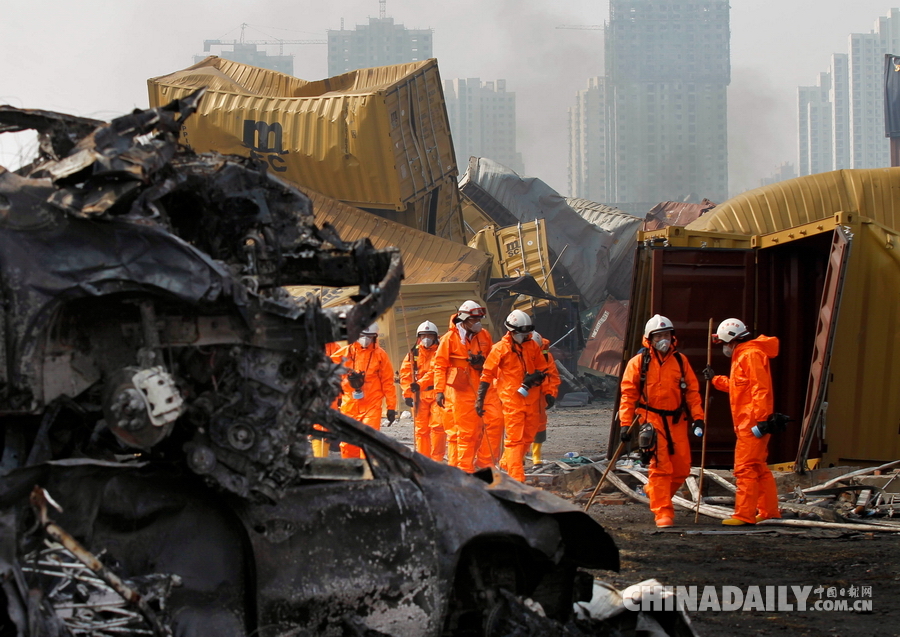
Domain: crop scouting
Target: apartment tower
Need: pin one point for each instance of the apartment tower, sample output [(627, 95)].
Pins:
[(664, 101)]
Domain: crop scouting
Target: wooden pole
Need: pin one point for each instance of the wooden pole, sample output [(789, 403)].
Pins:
[(612, 463), (706, 416)]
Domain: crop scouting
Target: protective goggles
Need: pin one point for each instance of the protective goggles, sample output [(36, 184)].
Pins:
[(521, 329), (475, 312)]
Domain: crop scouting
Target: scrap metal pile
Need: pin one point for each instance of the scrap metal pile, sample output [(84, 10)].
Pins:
[(147, 282)]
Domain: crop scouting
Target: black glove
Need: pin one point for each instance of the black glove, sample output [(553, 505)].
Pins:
[(479, 400), (414, 388), (625, 434), (391, 416), (550, 400), (697, 427), (439, 399), (533, 379), (476, 360), (707, 373), (408, 401)]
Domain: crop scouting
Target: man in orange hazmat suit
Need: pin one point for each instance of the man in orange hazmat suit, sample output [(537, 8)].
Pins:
[(660, 395), (368, 384), (553, 383), (320, 445), (750, 395), (520, 372), (417, 384), (457, 367)]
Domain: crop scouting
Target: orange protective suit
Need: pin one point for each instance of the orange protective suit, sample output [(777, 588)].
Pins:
[(750, 396), (428, 428), (662, 392), (378, 387), (458, 380), (320, 445), (551, 386), (507, 364)]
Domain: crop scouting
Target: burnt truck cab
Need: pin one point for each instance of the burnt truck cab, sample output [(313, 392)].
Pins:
[(158, 388)]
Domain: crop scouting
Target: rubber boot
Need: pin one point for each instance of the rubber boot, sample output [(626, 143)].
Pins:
[(536, 453), (321, 447)]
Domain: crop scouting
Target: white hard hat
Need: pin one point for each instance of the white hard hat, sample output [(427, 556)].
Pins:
[(658, 323), (537, 339), (730, 329), (470, 308), (518, 321), (372, 329), (426, 326)]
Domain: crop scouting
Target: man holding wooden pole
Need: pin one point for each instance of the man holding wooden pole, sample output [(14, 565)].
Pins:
[(661, 396)]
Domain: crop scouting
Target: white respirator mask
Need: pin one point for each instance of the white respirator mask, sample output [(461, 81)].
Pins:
[(728, 350), (520, 338), (426, 341), (662, 345), (475, 327), (364, 341)]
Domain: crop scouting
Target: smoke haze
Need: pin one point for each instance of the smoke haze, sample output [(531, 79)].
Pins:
[(93, 58)]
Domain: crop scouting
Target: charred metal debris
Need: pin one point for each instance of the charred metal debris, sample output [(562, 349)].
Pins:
[(158, 386), (147, 279)]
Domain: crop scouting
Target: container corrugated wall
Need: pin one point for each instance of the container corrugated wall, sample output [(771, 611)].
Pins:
[(863, 416), (874, 193), (373, 137), (426, 258)]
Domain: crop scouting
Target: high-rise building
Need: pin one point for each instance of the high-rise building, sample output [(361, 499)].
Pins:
[(589, 176), (379, 43), (814, 114), (667, 71), (482, 121), (839, 96), (855, 100)]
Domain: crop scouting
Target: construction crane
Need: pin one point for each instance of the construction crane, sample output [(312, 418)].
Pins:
[(208, 44)]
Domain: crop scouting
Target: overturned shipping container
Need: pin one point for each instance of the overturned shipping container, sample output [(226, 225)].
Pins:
[(813, 262), (375, 138), (439, 274)]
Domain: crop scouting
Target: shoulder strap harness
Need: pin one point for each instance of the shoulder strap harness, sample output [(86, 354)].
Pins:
[(665, 413)]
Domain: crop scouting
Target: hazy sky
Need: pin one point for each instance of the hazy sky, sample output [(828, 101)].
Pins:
[(93, 57)]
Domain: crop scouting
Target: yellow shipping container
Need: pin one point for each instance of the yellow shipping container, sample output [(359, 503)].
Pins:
[(815, 262), (374, 138), (519, 250)]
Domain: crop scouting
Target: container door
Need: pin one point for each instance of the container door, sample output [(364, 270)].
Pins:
[(815, 404), (691, 286)]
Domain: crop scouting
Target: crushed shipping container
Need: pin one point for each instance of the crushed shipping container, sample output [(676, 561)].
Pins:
[(450, 272), (582, 248), (623, 227), (603, 348), (375, 138)]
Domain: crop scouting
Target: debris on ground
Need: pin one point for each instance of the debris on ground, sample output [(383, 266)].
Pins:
[(853, 500)]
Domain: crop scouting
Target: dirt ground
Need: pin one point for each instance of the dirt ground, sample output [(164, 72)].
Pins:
[(688, 555)]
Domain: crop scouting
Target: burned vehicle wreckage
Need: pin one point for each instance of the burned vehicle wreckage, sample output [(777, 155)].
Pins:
[(157, 389)]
